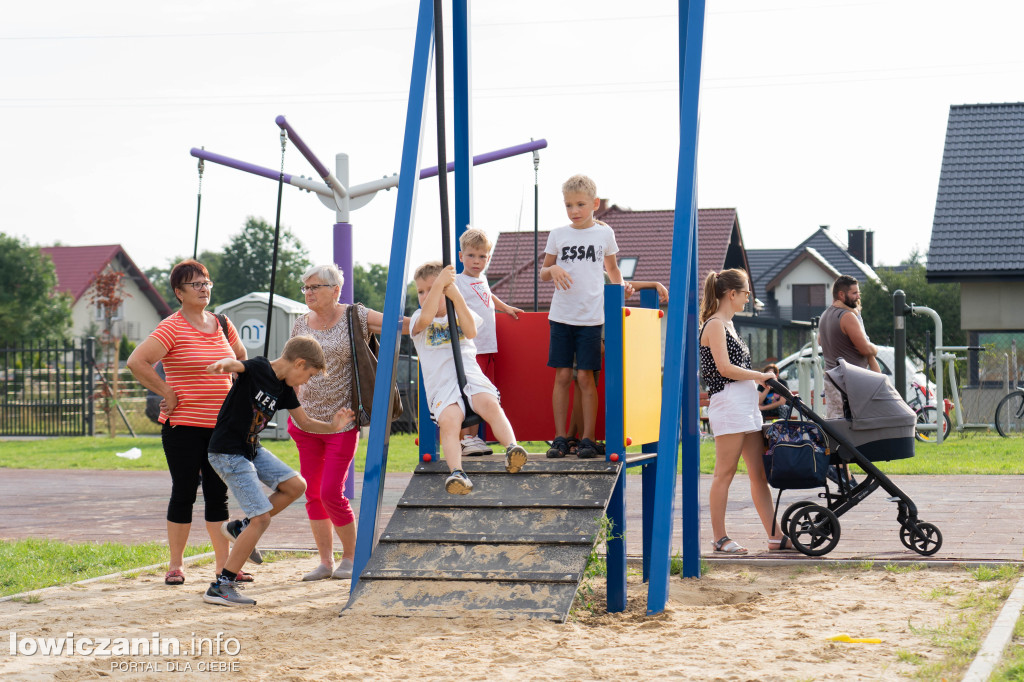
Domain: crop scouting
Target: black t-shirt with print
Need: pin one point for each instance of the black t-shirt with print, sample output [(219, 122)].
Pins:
[(251, 402)]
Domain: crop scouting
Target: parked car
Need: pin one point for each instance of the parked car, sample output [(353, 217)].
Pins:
[(789, 369)]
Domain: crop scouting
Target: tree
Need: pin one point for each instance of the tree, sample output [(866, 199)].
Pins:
[(912, 279), (108, 295), (369, 285), (30, 305), (245, 265)]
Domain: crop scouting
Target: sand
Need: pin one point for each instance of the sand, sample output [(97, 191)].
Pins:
[(737, 623)]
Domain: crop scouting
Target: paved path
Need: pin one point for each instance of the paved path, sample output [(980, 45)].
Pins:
[(981, 517)]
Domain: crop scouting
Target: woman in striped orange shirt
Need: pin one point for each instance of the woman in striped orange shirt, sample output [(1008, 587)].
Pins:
[(186, 342)]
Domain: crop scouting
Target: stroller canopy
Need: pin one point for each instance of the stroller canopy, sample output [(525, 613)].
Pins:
[(872, 400)]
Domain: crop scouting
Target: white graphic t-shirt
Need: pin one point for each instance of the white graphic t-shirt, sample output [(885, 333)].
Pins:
[(479, 300), (434, 347), (581, 253)]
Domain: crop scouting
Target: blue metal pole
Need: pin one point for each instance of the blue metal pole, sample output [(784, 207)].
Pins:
[(462, 81), (691, 30), (394, 300), (648, 477), (615, 444)]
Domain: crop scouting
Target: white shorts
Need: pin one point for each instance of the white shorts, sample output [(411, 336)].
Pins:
[(735, 409), (452, 397)]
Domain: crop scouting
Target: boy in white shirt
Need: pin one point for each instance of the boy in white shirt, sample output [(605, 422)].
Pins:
[(475, 254), (431, 335), (576, 258)]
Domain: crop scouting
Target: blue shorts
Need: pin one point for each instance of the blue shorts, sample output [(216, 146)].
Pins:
[(569, 341), (244, 476)]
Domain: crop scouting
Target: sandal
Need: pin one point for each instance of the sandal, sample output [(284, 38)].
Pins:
[(587, 449), (784, 544), (559, 446), (573, 443), (175, 577), (726, 545), (243, 577)]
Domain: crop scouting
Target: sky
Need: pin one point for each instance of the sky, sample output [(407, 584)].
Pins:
[(813, 112)]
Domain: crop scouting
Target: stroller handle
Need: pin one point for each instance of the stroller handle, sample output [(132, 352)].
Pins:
[(780, 389)]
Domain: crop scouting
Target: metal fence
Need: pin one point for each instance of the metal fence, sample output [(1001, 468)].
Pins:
[(47, 389)]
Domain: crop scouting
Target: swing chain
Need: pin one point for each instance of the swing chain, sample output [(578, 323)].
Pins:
[(284, 143), (202, 167)]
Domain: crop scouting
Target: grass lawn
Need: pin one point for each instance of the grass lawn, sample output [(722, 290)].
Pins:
[(978, 453), (33, 564)]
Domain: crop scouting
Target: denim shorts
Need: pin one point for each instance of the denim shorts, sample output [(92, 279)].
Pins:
[(244, 478), (570, 341)]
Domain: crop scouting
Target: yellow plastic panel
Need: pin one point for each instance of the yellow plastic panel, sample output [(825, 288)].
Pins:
[(641, 342)]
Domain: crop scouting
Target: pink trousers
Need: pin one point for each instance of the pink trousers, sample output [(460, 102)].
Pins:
[(324, 460)]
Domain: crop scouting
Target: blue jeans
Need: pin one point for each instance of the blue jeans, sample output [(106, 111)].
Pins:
[(244, 477)]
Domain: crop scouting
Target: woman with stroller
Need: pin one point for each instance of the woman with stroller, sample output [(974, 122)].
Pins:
[(734, 410)]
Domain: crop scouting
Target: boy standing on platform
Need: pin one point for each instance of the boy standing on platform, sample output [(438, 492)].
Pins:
[(475, 254), (576, 258)]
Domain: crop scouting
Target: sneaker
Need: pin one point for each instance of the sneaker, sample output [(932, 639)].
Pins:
[(343, 571), (474, 446), (559, 448), (232, 529), (587, 449), (225, 593), (515, 458), (458, 483)]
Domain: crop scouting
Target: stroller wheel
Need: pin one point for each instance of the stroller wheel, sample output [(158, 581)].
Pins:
[(925, 541), (814, 530), (788, 514)]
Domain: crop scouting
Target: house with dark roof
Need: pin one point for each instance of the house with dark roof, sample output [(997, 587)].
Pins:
[(978, 229), (77, 268), (797, 282)]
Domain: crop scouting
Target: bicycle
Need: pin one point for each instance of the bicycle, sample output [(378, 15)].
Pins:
[(927, 414), (1010, 413)]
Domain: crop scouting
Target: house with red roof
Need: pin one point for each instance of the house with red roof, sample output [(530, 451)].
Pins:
[(77, 268), (645, 251)]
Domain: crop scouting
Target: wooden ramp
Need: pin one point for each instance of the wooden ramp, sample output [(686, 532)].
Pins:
[(515, 547)]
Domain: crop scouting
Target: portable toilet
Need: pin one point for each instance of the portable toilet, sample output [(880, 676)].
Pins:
[(249, 315)]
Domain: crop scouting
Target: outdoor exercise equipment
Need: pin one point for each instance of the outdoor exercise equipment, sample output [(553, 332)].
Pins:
[(679, 402), (943, 354)]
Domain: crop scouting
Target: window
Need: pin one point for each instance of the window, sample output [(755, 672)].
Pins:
[(101, 312), (627, 266), (808, 301)]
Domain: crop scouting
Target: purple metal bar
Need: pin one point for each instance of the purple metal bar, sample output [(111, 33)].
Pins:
[(487, 157), (301, 146), (239, 165)]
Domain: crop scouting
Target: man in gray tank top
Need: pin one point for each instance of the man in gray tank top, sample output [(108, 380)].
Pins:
[(841, 335)]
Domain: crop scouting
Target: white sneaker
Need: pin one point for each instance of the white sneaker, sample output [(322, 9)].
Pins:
[(473, 446), (344, 570)]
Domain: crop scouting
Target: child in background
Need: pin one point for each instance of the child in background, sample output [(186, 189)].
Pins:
[(576, 258), (475, 254), (263, 387), (432, 337)]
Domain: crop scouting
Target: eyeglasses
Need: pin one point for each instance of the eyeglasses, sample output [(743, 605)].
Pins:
[(198, 286), (313, 287)]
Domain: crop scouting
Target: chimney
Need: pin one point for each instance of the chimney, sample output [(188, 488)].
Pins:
[(602, 207), (869, 250), (856, 244)]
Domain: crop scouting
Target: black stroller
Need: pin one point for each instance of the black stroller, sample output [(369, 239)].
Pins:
[(878, 427)]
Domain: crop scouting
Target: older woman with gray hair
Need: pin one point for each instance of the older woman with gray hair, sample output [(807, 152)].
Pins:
[(325, 459)]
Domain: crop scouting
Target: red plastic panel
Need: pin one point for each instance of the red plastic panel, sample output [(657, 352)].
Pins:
[(525, 380)]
